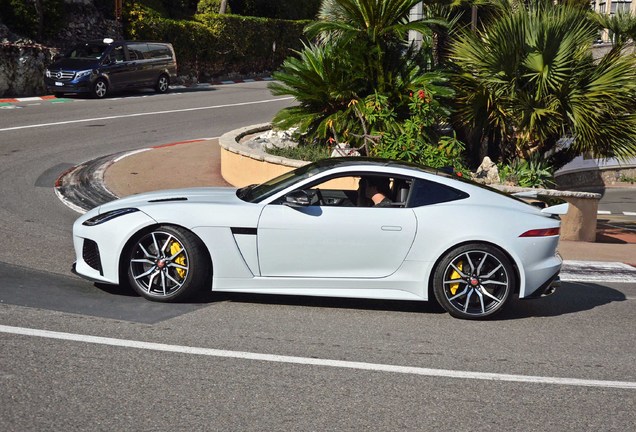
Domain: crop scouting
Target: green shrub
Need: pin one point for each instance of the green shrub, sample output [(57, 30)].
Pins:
[(22, 17), (211, 6), (533, 172), (279, 9), (214, 45)]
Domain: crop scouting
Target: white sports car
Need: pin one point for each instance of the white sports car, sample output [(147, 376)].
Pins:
[(312, 231)]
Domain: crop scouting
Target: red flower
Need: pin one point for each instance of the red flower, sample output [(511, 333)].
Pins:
[(331, 140), (421, 94), (459, 174)]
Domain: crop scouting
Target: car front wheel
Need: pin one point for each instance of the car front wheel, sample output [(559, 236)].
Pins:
[(100, 88), (474, 281), (167, 264)]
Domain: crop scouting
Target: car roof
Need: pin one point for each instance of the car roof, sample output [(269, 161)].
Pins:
[(341, 162)]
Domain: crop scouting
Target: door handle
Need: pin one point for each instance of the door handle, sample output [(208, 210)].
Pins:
[(391, 228)]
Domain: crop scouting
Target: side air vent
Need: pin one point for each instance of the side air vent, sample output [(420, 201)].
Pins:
[(168, 199), (90, 254)]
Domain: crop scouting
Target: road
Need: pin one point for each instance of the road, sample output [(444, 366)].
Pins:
[(76, 356)]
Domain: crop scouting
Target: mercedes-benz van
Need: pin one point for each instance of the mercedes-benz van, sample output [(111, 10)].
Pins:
[(101, 66)]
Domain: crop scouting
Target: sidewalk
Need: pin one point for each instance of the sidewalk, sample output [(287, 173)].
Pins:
[(198, 163)]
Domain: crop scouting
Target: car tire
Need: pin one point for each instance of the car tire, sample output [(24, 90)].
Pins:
[(100, 88), (167, 264), (474, 281), (163, 84), (58, 94)]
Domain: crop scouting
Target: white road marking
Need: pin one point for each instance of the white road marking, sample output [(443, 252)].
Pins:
[(597, 271), (143, 114), (629, 213), (604, 212), (316, 362)]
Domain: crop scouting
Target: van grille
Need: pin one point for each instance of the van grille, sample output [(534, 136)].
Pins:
[(62, 75)]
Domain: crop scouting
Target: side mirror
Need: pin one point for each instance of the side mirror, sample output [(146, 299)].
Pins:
[(298, 198)]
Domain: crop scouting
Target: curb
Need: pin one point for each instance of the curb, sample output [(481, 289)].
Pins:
[(82, 187)]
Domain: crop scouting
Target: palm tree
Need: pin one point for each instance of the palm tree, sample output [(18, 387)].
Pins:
[(529, 79), (360, 49), (621, 26)]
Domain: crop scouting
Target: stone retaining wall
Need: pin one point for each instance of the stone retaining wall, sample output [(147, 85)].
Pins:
[(243, 164)]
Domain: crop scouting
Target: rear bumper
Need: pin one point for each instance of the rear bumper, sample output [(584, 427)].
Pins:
[(547, 288)]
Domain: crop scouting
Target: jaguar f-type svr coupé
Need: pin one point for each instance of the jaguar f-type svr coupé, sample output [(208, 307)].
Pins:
[(313, 231)]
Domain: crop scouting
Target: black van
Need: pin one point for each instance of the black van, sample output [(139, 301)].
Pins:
[(101, 66)]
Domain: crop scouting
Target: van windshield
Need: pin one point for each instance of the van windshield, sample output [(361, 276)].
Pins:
[(87, 51)]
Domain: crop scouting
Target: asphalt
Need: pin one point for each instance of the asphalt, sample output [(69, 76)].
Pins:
[(198, 163)]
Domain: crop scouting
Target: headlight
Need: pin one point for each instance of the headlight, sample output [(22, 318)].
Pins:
[(83, 73), (105, 217)]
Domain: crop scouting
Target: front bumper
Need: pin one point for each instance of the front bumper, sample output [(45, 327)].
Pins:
[(75, 86)]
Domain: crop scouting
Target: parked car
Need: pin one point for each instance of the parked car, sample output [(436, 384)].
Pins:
[(308, 232), (101, 66)]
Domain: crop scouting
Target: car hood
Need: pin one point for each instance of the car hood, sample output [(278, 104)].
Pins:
[(216, 195)]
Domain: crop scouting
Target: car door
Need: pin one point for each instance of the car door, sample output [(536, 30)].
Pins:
[(333, 242), (116, 67)]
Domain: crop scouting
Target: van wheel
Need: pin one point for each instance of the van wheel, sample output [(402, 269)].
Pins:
[(100, 88), (163, 84)]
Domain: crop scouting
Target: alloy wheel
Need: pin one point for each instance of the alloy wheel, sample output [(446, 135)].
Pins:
[(159, 264)]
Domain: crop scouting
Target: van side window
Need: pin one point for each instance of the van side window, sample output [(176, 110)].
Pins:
[(158, 51), (138, 51)]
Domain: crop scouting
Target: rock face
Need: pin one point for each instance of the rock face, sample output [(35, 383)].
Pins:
[(487, 172), (23, 62), (22, 69)]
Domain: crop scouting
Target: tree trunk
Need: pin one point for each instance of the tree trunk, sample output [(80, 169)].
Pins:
[(223, 6), (40, 13)]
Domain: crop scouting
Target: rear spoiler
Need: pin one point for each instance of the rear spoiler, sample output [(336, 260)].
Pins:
[(559, 209)]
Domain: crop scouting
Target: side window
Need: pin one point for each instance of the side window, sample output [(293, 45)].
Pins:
[(357, 190), (138, 51), (117, 54), (158, 51), (426, 192)]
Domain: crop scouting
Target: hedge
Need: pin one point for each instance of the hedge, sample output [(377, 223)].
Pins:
[(221, 45)]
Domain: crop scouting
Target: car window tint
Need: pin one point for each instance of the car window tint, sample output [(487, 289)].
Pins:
[(87, 51), (138, 51), (158, 51), (426, 192)]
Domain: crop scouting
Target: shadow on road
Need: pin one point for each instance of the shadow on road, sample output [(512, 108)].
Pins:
[(570, 298)]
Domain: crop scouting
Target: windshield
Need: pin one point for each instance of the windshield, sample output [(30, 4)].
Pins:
[(89, 50), (257, 193)]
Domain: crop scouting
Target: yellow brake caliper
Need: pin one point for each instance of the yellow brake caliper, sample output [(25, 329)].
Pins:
[(175, 247), (454, 287)]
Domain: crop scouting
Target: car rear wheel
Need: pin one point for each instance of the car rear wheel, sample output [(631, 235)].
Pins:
[(167, 264), (163, 83), (100, 88), (474, 281), (58, 94)]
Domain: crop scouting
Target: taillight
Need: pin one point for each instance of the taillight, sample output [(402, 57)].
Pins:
[(546, 232)]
